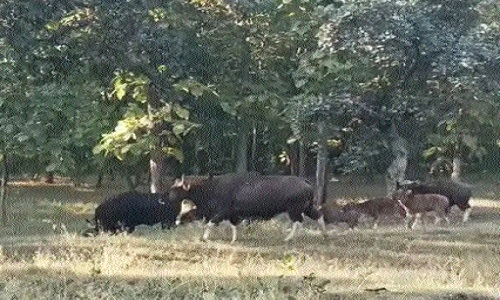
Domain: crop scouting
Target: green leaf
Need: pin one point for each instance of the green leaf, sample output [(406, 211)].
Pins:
[(175, 152), (120, 90), (181, 112), (178, 129), (431, 152), (226, 107), (22, 138), (52, 167), (196, 91)]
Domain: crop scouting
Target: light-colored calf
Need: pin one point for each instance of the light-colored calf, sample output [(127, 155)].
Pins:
[(419, 204)]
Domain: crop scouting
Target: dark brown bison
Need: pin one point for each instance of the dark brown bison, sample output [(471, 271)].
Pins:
[(375, 208), (457, 193), (125, 211), (416, 205), (236, 197)]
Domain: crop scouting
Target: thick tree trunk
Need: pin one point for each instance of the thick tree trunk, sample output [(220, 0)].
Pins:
[(397, 169), (3, 189), (456, 168), (321, 164), (242, 150), (156, 172)]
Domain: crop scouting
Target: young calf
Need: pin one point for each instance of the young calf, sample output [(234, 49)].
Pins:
[(418, 204), (338, 215), (457, 193), (374, 208)]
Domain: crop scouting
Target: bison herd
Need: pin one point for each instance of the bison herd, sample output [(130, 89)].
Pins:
[(238, 197)]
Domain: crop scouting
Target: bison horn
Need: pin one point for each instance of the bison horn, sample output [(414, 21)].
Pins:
[(178, 182)]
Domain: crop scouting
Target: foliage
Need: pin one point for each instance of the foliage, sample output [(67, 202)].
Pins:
[(134, 136), (280, 66)]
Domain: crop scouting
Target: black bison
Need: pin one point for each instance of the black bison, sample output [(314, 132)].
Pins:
[(236, 197), (418, 204), (127, 210), (457, 193), (339, 215), (375, 208)]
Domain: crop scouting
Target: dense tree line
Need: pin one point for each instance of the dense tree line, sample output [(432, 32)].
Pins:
[(217, 86)]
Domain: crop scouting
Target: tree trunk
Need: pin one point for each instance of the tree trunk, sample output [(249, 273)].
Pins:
[(456, 168), (397, 169), (3, 189), (321, 164), (242, 150), (302, 159), (294, 159), (253, 150), (156, 171), (156, 155)]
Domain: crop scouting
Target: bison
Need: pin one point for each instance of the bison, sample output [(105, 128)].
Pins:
[(374, 208), (418, 204), (338, 215), (236, 197), (127, 210), (188, 214), (457, 193)]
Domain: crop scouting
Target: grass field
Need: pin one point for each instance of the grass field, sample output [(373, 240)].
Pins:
[(42, 254)]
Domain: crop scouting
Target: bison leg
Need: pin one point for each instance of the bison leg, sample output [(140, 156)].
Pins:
[(296, 217), (292, 233), (407, 220), (322, 224), (206, 232), (466, 214), (234, 222), (417, 217), (437, 220), (234, 233), (442, 215)]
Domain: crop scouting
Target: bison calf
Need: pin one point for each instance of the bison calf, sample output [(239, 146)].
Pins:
[(126, 211), (374, 208), (338, 215), (457, 193), (418, 204)]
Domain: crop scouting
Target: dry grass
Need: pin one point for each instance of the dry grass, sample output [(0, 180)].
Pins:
[(43, 256)]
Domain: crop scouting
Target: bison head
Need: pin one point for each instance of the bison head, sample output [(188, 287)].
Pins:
[(179, 190)]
